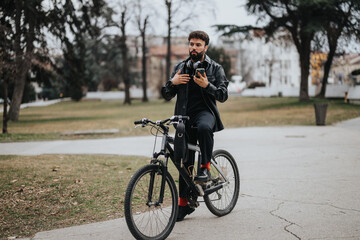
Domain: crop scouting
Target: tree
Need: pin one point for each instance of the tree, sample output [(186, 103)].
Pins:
[(7, 70), (341, 18), (77, 25), (28, 20), (7, 64), (142, 21), (124, 18), (218, 55), (179, 12), (302, 19)]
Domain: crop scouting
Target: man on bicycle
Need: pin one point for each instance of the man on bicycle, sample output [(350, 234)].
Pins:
[(196, 97)]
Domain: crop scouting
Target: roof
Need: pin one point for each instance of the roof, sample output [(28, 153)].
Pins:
[(178, 50)]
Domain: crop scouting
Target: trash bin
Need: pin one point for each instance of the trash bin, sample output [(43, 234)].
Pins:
[(320, 113)]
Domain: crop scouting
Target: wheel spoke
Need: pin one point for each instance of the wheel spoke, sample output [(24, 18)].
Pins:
[(222, 201), (151, 220)]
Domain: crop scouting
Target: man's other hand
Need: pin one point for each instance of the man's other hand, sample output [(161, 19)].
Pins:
[(180, 78)]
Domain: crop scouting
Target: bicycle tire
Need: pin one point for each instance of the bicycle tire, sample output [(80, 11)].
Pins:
[(223, 201), (150, 222)]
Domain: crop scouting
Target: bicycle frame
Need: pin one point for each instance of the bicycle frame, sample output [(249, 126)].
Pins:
[(168, 152)]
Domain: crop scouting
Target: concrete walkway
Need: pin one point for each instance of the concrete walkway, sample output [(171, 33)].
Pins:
[(296, 183)]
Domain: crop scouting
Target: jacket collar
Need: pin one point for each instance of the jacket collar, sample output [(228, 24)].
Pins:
[(207, 59)]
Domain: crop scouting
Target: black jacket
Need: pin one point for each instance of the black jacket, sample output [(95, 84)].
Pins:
[(217, 89)]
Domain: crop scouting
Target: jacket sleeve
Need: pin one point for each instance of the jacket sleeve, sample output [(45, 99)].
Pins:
[(218, 88), (168, 91)]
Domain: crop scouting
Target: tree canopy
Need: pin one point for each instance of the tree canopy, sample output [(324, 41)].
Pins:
[(303, 20)]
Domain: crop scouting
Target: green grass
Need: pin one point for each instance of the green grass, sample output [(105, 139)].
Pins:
[(39, 193), (50, 122), (247, 112)]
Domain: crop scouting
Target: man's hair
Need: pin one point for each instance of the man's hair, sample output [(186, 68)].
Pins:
[(200, 35)]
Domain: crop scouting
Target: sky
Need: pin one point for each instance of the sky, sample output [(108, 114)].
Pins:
[(209, 12), (227, 12)]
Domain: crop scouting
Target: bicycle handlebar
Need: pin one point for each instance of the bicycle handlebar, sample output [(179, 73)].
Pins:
[(177, 118), (173, 119)]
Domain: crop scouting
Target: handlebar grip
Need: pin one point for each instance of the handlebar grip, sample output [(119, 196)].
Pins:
[(138, 122)]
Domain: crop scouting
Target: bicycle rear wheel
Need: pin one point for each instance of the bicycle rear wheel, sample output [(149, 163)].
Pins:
[(145, 219), (222, 201)]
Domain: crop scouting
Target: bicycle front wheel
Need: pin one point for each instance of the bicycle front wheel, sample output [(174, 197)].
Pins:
[(145, 218), (222, 201)]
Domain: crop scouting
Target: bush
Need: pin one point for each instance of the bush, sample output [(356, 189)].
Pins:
[(29, 93), (76, 93)]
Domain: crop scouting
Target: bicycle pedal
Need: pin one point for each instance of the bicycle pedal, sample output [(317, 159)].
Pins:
[(207, 185)]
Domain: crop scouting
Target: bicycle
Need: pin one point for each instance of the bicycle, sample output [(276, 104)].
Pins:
[(151, 198)]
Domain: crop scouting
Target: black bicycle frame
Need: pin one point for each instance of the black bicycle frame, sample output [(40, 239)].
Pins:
[(168, 152)]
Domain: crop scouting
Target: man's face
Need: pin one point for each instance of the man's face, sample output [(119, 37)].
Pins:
[(197, 49)]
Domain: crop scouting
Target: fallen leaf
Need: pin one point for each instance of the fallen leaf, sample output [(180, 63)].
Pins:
[(79, 181), (55, 168)]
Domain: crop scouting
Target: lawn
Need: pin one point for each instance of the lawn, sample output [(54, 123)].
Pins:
[(51, 122), (39, 193)]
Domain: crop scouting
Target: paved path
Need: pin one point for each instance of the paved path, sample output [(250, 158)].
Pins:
[(296, 183)]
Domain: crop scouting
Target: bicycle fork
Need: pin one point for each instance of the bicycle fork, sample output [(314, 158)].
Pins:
[(153, 174), (162, 170)]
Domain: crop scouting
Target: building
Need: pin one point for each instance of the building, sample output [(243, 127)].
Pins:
[(342, 69), (273, 62), (156, 59)]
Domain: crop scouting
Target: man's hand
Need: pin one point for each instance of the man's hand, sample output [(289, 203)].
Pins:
[(180, 78), (202, 80)]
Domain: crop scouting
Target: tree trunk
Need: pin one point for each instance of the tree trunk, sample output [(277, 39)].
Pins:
[(304, 65), (144, 85), (5, 116), (270, 72), (327, 67), (125, 71), (304, 50), (124, 52), (19, 80), (17, 95), (333, 40), (23, 63), (168, 55)]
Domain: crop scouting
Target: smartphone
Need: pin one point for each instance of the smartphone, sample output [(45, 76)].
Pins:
[(199, 70)]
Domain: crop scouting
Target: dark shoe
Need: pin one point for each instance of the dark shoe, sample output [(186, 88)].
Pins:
[(183, 211), (202, 176)]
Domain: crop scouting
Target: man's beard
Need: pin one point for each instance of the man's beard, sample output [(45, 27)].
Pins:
[(198, 56)]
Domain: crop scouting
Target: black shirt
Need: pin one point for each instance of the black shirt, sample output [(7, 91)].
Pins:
[(195, 102)]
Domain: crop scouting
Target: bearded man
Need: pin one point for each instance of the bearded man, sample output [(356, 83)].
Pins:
[(197, 92)]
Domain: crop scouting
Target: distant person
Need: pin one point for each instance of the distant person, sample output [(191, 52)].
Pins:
[(196, 97)]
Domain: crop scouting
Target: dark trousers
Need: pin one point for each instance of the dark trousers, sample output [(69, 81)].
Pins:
[(199, 129)]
